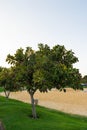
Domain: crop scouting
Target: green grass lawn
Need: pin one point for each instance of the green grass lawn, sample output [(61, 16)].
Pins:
[(16, 116)]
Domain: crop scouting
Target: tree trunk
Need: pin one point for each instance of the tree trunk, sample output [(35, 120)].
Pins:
[(33, 106), (7, 93), (1, 126)]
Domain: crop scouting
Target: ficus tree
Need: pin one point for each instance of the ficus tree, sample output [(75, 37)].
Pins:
[(44, 69)]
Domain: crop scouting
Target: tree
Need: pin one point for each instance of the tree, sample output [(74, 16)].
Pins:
[(45, 69), (8, 81), (84, 80)]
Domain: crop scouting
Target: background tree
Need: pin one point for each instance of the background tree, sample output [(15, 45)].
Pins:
[(8, 81), (84, 80), (45, 69)]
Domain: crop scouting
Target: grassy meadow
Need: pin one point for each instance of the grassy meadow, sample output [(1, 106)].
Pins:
[(15, 115)]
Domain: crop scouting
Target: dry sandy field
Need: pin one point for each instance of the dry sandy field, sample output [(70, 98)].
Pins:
[(71, 101)]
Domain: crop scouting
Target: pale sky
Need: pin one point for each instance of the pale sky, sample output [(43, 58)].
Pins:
[(29, 22)]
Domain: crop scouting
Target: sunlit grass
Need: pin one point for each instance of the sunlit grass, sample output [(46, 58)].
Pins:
[(15, 115)]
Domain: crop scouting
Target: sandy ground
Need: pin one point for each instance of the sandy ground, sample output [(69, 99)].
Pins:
[(72, 101)]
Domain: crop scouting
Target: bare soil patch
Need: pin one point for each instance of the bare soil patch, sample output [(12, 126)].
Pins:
[(72, 101)]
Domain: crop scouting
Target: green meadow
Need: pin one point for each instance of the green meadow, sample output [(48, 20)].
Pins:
[(16, 115)]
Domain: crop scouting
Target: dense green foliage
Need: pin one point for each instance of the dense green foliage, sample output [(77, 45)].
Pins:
[(15, 115), (45, 68)]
